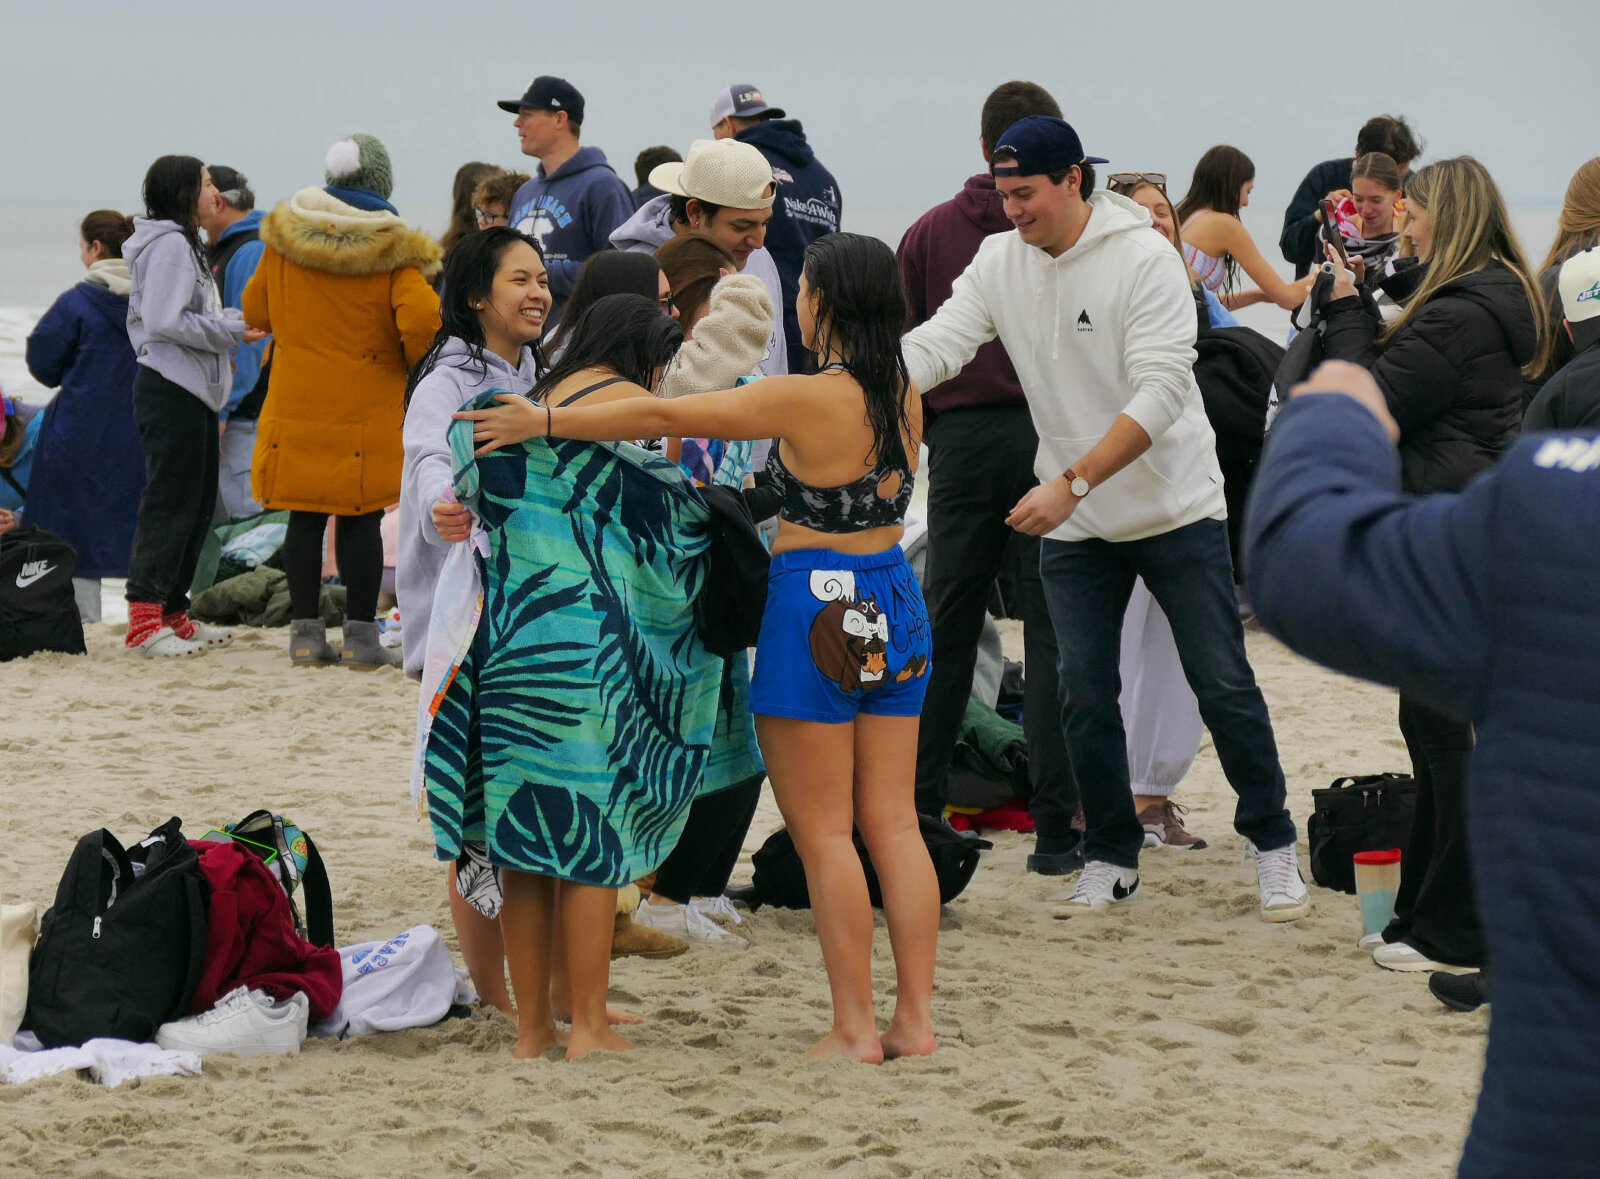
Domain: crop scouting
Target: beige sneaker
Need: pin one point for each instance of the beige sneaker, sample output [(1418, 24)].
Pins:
[(1163, 827)]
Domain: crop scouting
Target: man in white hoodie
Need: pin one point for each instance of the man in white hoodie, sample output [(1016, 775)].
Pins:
[(1095, 311)]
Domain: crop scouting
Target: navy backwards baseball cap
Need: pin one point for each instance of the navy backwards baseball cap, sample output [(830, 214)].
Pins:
[(1040, 144), (547, 93)]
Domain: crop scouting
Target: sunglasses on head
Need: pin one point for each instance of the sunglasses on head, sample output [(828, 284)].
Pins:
[(1129, 179)]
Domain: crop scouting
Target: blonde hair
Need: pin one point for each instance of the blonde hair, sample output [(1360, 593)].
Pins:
[(1579, 227), (1470, 230), (1128, 190)]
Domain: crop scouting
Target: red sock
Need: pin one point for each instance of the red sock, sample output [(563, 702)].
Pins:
[(180, 623), (144, 619)]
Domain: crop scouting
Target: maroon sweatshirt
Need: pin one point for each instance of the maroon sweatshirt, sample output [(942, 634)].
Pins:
[(933, 252)]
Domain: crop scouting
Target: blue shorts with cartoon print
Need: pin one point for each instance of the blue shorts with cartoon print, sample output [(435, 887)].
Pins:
[(842, 634)]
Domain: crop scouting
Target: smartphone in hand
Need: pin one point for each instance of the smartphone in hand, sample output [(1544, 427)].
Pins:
[(1330, 230)]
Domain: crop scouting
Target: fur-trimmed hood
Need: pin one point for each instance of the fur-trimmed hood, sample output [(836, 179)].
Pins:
[(321, 232)]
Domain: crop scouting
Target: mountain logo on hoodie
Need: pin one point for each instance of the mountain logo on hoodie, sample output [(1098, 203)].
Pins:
[(1083, 321)]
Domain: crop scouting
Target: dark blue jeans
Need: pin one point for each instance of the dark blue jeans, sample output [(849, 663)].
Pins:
[(1190, 574)]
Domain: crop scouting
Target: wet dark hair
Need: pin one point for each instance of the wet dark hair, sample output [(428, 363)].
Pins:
[(1391, 135), (172, 193), (1010, 103), (1219, 177), (468, 277), (610, 272), (861, 313), (108, 227), (624, 333)]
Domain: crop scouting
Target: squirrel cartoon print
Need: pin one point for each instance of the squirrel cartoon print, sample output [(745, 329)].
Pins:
[(850, 636)]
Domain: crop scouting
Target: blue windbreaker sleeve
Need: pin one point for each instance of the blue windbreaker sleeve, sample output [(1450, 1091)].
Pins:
[(1351, 572), (53, 343), (247, 358)]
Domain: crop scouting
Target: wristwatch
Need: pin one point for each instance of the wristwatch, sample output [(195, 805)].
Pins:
[(1076, 483)]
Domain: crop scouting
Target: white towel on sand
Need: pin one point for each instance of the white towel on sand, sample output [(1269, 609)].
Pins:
[(110, 1062)]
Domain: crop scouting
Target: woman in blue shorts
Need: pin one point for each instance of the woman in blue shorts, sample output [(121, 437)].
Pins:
[(843, 657)]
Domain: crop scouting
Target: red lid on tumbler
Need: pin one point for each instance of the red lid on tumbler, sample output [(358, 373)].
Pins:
[(1391, 856)]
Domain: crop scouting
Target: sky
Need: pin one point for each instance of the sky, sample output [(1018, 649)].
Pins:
[(889, 93)]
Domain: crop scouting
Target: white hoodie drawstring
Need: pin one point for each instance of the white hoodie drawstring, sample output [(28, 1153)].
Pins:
[(1055, 345)]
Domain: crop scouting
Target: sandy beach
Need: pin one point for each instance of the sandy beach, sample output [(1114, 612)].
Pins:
[(1182, 1038)]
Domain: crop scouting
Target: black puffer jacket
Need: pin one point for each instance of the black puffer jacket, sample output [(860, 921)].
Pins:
[(1452, 376)]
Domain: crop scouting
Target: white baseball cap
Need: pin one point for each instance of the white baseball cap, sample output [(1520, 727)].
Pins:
[(1580, 286), (723, 171)]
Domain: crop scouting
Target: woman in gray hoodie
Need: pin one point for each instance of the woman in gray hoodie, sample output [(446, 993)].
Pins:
[(182, 337)]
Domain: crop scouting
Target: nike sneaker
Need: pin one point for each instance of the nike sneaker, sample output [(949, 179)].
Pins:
[(1102, 885)]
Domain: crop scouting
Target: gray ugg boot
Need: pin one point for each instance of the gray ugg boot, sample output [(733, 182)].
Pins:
[(308, 644), (362, 650)]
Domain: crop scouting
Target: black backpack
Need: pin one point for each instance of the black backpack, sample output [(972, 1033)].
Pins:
[(1372, 812), (121, 951), (37, 609), (734, 594), (780, 877), (1234, 368)]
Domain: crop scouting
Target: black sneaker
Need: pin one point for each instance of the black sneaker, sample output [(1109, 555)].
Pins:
[(1460, 992), (1056, 857)]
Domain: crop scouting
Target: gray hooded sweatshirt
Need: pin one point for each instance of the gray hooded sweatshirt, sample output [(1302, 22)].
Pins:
[(426, 478), (651, 226), (176, 322)]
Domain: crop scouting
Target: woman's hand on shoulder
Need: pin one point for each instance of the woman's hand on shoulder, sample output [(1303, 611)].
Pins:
[(516, 419)]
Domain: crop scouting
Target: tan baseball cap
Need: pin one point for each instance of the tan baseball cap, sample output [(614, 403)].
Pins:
[(725, 172)]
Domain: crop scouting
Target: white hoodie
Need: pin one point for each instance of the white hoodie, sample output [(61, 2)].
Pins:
[(1107, 328)]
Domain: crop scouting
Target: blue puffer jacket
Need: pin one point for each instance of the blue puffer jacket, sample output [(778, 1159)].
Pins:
[(1483, 604)]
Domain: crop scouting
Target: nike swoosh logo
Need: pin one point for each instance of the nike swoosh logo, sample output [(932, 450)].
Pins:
[(24, 580), (1119, 893)]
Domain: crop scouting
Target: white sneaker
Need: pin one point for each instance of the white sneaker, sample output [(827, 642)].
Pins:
[(1399, 956), (718, 908), (1284, 896), (165, 644), (1370, 942), (687, 922), (244, 1023), (1100, 886)]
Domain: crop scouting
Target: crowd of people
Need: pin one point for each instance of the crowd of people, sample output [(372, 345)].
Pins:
[(553, 392)]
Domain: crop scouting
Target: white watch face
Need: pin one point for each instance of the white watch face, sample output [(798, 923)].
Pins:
[(1080, 487)]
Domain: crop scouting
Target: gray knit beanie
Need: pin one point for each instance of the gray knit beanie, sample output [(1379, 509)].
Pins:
[(360, 161)]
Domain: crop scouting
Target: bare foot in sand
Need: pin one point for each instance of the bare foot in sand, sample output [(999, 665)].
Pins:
[(615, 1016), (583, 1042), (907, 1041), (866, 1048), (505, 1007), (534, 1044)]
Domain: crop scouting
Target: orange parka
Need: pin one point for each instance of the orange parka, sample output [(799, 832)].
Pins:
[(344, 293)]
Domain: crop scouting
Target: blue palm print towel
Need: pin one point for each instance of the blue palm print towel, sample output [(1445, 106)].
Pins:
[(579, 727)]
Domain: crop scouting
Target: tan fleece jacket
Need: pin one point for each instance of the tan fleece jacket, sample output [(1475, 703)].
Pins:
[(728, 343)]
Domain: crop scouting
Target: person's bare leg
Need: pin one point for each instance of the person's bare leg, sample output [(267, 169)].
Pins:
[(587, 916), (526, 919), (885, 784), (481, 949), (561, 983), (810, 766)]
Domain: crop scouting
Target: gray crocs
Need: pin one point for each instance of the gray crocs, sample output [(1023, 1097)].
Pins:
[(308, 644), (362, 650)]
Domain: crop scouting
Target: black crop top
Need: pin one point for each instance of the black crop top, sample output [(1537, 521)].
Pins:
[(849, 507)]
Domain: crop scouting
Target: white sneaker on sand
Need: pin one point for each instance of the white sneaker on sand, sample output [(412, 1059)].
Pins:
[(1370, 942), (687, 922), (718, 908), (244, 1022), (1101, 885), (1400, 956), (165, 644), (1284, 896)]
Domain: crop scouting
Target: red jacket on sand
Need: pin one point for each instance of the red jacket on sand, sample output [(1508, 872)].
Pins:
[(251, 939)]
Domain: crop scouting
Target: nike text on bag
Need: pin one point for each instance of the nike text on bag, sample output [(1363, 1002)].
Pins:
[(121, 950), (37, 609), (1367, 813)]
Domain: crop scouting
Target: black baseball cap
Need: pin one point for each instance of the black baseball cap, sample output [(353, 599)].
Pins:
[(548, 93), (1040, 144)]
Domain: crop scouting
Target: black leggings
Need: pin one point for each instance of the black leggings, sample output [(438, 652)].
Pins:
[(709, 847), (358, 546)]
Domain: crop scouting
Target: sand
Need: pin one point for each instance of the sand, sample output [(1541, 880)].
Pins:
[(1183, 1037)]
